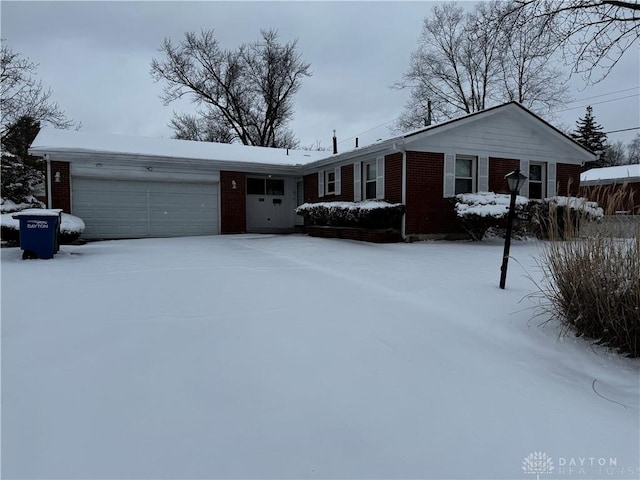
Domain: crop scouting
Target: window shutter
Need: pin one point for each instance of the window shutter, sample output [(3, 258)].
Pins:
[(524, 169), (357, 182), (321, 183), (483, 174), (338, 187), (449, 175), (380, 178), (551, 180)]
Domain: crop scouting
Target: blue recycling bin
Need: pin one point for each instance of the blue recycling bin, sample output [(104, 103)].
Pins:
[(39, 232)]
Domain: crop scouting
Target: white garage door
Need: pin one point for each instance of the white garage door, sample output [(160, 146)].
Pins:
[(134, 209)]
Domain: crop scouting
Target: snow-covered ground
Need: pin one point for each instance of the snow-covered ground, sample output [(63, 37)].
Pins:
[(294, 357)]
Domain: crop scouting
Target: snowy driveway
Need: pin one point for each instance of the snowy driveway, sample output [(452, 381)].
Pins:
[(289, 356)]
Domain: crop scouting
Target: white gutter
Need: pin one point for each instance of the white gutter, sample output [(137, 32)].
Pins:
[(49, 195)]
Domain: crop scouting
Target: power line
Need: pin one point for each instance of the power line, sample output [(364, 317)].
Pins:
[(597, 103), (557, 111), (623, 130), (605, 94)]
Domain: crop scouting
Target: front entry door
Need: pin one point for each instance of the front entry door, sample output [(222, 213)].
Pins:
[(269, 205)]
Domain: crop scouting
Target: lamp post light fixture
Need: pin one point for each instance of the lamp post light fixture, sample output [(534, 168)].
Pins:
[(515, 181)]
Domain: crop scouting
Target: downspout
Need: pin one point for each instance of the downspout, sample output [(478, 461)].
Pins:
[(49, 186), (403, 224)]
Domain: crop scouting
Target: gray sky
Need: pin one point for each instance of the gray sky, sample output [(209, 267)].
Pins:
[(96, 58)]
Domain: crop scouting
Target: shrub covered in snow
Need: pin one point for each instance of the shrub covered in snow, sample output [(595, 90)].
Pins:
[(479, 212), (561, 216), (9, 206), (373, 214), (71, 227)]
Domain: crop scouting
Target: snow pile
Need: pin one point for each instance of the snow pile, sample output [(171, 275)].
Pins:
[(8, 206), (620, 172), (587, 207), (54, 140), (485, 204), (69, 224)]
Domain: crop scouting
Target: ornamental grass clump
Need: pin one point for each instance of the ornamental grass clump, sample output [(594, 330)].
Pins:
[(592, 284)]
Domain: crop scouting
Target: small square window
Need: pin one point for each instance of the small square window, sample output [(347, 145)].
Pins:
[(255, 186), (275, 187)]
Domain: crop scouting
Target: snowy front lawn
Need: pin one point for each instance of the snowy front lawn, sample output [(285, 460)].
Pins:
[(289, 356)]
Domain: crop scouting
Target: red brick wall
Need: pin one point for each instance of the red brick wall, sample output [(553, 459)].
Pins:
[(427, 211), (233, 203), (567, 179), (311, 188), (61, 191), (393, 178), (614, 197), (498, 168)]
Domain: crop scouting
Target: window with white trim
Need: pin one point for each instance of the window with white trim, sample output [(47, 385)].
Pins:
[(369, 180), (465, 176), (537, 180), (329, 182)]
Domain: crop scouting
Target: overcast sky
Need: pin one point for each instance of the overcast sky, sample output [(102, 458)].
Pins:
[(96, 57)]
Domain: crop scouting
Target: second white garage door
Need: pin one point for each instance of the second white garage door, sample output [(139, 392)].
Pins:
[(137, 209)]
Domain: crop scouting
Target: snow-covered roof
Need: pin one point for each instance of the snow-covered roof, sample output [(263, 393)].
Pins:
[(54, 140), (622, 172)]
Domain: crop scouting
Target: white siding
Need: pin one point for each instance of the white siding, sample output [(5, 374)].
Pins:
[(505, 134)]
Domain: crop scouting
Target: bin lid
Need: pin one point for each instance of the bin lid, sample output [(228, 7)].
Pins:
[(41, 212)]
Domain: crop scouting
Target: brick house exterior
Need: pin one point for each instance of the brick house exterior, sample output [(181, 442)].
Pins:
[(617, 189), (173, 187)]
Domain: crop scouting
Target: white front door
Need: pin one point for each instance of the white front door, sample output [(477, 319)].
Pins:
[(270, 204)]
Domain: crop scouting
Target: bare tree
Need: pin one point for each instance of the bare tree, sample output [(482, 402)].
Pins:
[(242, 95), (591, 33), (23, 95), (528, 74), (203, 128), (633, 150), (466, 62)]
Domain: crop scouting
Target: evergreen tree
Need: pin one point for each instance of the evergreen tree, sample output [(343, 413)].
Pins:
[(589, 134), (21, 173)]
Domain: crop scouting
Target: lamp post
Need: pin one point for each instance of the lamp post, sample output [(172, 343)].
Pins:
[(515, 181)]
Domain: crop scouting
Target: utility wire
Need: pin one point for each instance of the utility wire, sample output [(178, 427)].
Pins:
[(597, 103), (604, 94), (623, 130), (557, 111)]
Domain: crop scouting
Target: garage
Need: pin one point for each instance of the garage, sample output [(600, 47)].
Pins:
[(135, 209)]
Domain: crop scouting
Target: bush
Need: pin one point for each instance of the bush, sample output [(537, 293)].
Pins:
[(560, 217), (593, 285), (484, 211), (370, 214)]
